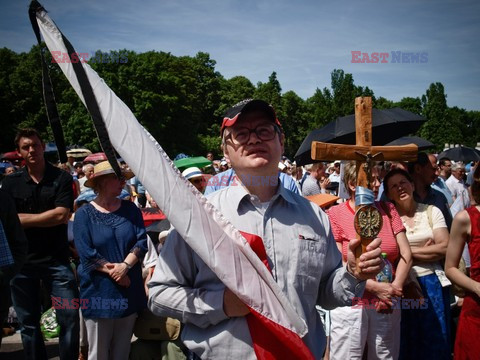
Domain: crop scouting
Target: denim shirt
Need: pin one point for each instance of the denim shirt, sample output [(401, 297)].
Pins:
[(228, 178), (301, 252), (440, 185), (438, 199)]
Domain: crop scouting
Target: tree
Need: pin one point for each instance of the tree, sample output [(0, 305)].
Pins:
[(9, 107), (467, 124), (439, 128), (411, 104), (181, 101), (211, 141), (232, 91), (343, 91), (382, 103), (320, 109), (270, 91), (175, 98), (294, 122), (207, 91)]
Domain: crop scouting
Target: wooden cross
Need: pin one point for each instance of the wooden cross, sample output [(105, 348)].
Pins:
[(363, 152)]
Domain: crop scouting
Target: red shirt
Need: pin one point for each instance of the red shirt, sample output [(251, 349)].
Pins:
[(342, 223), (341, 217)]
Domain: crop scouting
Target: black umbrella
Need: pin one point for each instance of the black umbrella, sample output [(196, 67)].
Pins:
[(461, 153), (387, 125), (420, 142)]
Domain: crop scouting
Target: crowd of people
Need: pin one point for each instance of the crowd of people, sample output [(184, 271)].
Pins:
[(129, 279)]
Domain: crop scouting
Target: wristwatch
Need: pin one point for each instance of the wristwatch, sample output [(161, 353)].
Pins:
[(128, 265)]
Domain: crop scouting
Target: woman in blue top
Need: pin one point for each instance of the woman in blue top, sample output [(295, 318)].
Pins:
[(111, 240)]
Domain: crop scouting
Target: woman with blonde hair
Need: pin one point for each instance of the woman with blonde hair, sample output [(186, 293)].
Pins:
[(373, 320)]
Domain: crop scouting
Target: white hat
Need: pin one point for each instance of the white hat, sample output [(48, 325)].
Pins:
[(191, 173), (281, 166)]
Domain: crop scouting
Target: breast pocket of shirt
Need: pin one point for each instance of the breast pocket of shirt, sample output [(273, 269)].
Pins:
[(48, 194), (23, 201), (310, 255)]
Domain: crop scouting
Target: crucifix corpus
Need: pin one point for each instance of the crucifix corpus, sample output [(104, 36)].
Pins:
[(368, 220)]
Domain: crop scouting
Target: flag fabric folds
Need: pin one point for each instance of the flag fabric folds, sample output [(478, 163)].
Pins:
[(49, 96), (87, 97), (206, 231)]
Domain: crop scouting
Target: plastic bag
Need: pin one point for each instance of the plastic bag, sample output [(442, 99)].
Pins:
[(49, 325)]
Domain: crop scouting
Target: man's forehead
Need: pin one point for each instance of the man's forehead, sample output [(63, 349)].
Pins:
[(254, 117), (30, 139)]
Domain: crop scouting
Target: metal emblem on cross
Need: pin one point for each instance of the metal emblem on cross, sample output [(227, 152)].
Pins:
[(365, 155)]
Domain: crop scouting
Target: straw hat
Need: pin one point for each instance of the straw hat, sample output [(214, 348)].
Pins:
[(104, 168)]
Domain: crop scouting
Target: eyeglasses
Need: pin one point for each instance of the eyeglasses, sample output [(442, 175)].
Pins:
[(241, 135)]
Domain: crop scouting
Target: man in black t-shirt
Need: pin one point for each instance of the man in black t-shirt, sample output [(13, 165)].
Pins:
[(43, 196)]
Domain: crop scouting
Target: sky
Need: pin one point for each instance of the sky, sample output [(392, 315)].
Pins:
[(301, 40)]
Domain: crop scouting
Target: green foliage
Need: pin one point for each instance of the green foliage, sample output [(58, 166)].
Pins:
[(343, 91), (270, 91), (294, 121), (467, 125), (233, 91), (440, 127), (382, 103), (411, 104), (181, 101), (210, 142), (320, 107)]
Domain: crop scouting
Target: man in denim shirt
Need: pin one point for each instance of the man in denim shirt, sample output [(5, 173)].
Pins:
[(423, 173)]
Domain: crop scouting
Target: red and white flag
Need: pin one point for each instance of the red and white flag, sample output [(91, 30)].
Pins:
[(275, 326)]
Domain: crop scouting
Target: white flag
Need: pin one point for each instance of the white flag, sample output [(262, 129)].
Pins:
[(207, 232)]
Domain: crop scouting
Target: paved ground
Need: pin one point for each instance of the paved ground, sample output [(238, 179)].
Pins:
[(12, 348)]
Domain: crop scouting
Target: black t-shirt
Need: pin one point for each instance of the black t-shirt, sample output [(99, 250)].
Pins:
[(45, 244)]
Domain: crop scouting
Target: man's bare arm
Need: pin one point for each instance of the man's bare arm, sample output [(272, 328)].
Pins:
[(48, 218)]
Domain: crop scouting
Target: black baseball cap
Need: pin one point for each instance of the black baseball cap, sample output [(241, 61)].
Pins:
[(245, 106)]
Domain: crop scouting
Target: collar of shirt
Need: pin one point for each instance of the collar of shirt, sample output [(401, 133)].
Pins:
[(46, 175), (238, 193), (430, 195), (440, 182)]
